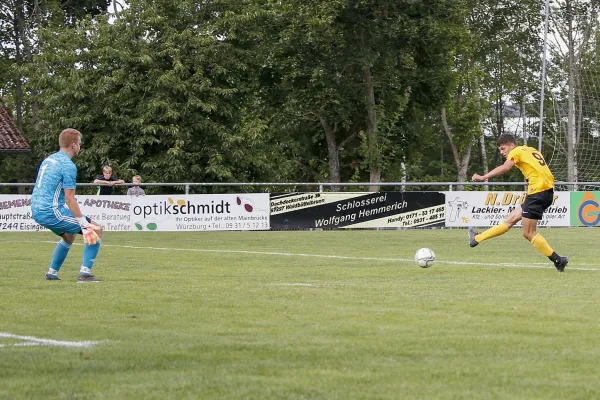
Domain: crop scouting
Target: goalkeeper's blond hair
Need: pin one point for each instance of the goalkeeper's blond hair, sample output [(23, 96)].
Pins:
[(67, 137)]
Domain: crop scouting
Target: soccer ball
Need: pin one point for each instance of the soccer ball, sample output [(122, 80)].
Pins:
[(425, 257)]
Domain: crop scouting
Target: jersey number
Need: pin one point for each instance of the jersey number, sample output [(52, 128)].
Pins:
[(42, 174), (539, 157)]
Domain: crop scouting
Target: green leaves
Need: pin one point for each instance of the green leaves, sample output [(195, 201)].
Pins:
[(267, 90), (169, 92), (315, 55)]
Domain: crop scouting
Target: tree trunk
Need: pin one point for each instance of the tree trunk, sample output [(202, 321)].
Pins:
[(19, 32), (499, 117), (373, 148), (484, 158), (523, 115), (462, 162), (31, 52), (333, 153), (463, 169), (403, 172)]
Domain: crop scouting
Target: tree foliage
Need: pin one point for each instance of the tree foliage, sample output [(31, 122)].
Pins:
[(339, 74), (269, 90), (155, 93)]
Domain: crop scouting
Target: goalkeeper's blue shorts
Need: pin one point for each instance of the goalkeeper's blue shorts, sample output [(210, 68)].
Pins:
[(59, 220)]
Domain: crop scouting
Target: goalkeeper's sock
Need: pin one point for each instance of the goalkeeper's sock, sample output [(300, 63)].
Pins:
[(85, 270), (89, 256), (58, 257), (492, 232), (543, 247)]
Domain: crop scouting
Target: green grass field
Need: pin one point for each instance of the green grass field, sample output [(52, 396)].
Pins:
[(303, 315)]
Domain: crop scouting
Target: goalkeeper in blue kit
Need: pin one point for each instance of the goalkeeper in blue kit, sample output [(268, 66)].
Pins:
[(54, 206)]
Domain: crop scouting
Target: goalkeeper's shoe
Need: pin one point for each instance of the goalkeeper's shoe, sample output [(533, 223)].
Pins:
[(561, 264), (87, 278), (50, 277), (472, 234)]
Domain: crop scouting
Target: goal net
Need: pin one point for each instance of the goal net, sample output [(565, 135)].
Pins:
[(571, 137)]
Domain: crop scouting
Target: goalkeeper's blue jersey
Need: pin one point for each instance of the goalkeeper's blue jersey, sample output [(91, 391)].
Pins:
[(57, 172)]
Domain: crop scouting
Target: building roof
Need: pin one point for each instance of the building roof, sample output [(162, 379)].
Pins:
[(11, 139)]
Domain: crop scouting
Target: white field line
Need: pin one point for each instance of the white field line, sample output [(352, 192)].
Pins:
[(295, 284), (33, 341), (24, 344), (577, 267)]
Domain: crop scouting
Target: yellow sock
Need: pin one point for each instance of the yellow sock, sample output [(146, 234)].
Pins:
[(540, 243), (492, 232)]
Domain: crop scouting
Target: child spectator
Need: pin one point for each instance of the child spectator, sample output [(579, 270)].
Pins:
[(136, 190), (106, 181)]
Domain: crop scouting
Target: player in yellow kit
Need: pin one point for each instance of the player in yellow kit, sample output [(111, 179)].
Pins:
[(540, 194)]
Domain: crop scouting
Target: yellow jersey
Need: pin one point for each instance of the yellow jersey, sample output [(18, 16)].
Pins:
[(534, 167)]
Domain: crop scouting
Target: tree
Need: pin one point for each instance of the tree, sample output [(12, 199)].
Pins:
[(493, 68), (346, 68), (166, 102), (20, 22)]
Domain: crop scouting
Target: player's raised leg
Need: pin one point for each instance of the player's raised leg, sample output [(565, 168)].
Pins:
[(512, 218), (90, 252), (58, 257), (539, 242)]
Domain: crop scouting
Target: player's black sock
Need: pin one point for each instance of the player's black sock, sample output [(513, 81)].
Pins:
[(554, 257)]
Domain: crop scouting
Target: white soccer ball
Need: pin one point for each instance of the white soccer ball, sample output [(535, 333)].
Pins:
[(424, 257)]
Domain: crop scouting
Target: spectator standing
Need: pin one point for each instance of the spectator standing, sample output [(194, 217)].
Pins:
[(107, 181), (136, 190)]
